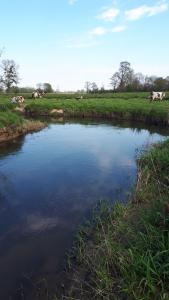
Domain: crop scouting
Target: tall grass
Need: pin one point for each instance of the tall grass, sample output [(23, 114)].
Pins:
[(8, 119)]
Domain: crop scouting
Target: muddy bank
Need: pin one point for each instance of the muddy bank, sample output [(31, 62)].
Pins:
[(12, 132)]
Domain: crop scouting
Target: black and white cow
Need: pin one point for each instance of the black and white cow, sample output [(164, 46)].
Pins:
[(156, 96), (18, 99), (38, 94)]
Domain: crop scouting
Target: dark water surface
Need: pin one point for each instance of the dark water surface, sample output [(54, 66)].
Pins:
[(49, 182)]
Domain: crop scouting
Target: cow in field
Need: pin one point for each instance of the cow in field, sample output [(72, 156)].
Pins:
[(18, 99), (79, 97), (38, 94), (157, 96)]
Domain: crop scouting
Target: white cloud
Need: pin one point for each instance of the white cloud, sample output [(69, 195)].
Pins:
[(158, 9), (109, 14), (98, 31), (119, 28), (72, 2), (145, 10)]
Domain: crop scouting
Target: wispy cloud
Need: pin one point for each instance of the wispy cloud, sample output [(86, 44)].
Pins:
[(109, 14), (72, 2), (145, 10), (98, 31)]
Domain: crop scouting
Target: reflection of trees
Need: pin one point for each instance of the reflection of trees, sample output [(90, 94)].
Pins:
[(11, 147), (4, 185), (131, 124), (6, 149)]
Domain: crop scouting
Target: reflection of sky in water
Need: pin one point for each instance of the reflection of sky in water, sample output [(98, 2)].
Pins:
[(50, 181)]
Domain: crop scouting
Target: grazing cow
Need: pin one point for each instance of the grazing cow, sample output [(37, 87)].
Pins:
[(157, 96), (38, 94), (79, 97), (18, 99), (35, 95)]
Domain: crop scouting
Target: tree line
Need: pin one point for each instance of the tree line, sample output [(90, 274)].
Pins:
[(126, 80), (123, 80)]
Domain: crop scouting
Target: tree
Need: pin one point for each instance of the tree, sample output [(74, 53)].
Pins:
[(160, 84), (44, 87), (102, 89), (39, 86), (9, 75), (123, 77), (114, 81), (1, 85), (137, 82), (47, 87), (94, 87), (167, 82), (88, 86), (149, 83)]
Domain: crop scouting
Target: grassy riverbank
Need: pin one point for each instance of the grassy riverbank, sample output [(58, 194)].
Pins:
[(12, 125), (13, 122), (128, 106), (9, 118), (124, 253)]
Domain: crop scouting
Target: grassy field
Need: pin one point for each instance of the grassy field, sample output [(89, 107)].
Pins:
[(134, 106), (124, 252)]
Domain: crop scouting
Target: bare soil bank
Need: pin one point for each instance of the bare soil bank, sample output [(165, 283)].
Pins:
[(12, 132)]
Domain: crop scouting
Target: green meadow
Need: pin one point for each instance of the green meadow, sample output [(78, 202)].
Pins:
[(134, 106)]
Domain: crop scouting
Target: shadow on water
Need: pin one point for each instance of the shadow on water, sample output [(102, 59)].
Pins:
[(132, 124), (11, 147), (49, 183)]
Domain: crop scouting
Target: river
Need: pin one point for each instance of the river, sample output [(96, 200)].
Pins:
[(49, 183)]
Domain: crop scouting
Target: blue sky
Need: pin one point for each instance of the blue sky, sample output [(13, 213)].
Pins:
[(68, 42)]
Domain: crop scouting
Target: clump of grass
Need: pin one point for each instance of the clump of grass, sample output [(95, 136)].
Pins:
[(125, 253), (9, 118)]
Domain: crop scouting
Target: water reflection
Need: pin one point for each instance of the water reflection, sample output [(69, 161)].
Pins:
[(49, 181), (11, 147)]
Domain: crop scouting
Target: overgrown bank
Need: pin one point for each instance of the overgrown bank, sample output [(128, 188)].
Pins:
[(125, 254), (13, 125), (139, 109)]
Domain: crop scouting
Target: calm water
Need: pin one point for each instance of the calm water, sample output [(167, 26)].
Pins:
[(49, 182)]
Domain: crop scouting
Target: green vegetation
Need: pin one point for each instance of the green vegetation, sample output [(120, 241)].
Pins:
[(124, 253), (8, 119), (124, 106), (129, 106)]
